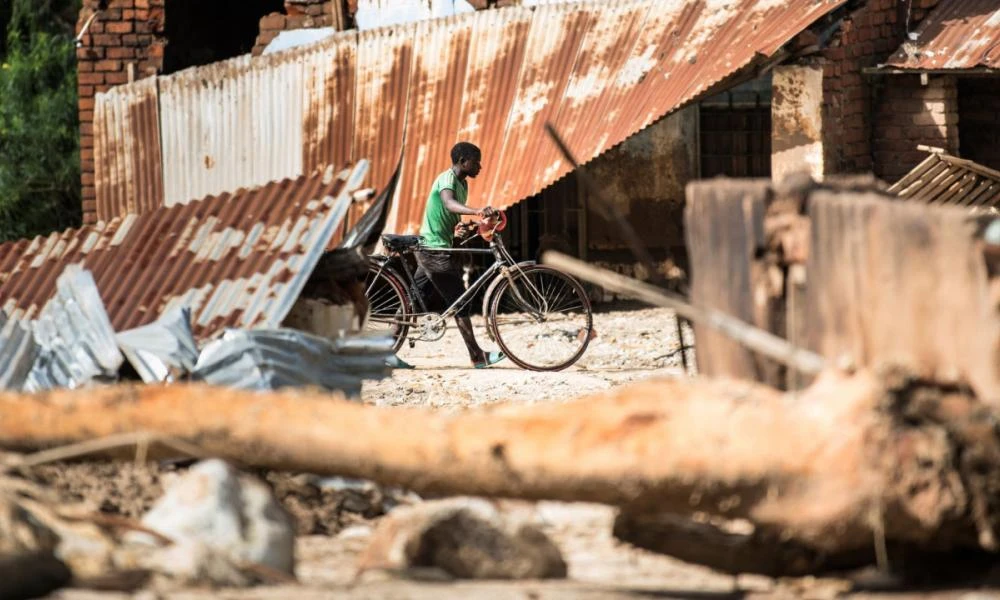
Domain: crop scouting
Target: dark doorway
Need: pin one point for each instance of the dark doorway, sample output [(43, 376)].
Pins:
[(200, 32), (979, 120), (736, 131)]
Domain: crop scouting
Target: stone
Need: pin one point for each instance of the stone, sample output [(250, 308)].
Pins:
[(464, 538), (224, 525)]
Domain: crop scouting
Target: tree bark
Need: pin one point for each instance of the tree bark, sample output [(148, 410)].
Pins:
[(834, 468)]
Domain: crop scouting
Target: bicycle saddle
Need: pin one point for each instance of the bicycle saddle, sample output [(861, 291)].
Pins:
[(398, 243)]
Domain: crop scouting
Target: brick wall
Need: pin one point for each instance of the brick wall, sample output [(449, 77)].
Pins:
[(909, 113), (979, 120), (867, 37), (124, 41)]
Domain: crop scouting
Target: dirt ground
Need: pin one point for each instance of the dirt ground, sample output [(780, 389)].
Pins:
[(335, 521)]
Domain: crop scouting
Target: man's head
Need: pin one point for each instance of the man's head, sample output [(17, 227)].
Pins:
[(467, 158)]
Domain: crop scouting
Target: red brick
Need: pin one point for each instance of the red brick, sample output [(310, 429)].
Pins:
[(273, 21), (96, 26), (108, 65), (89, 53), (90, 78), (107, 40), (123, 52), (86, 141), (85, 66), (119, 27), (86, 115), (128, 14), (86, 103), (86, 155), (116, 78), (142, 3)]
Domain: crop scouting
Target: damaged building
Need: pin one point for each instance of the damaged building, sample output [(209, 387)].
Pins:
[(651, 95)]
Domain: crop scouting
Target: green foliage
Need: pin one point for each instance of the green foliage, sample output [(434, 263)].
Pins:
[(39, 129)]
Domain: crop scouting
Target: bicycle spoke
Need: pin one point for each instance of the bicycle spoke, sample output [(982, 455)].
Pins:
[(551, 335)]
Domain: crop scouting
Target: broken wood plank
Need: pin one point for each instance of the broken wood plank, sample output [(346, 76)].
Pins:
[(724, 229), (906, 286), (747, 335)]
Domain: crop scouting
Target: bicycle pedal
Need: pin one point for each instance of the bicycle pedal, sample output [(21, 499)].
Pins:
[(412, 343)]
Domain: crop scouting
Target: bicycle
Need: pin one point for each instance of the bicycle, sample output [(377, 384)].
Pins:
[(540, 317)]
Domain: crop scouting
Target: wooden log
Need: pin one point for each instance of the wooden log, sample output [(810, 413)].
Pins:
[(831, 468)]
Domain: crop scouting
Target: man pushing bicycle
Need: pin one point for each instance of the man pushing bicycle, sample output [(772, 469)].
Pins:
[(439, 276)]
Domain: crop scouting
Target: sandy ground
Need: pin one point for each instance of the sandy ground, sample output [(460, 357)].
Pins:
[(631, 344)]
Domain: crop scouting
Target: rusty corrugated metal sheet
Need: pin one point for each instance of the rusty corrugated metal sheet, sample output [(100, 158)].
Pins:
[(381, 97), (238, 260), (127, 172), (232, 124), (329, 103), (945, 179), (957, 34), (601, 71)]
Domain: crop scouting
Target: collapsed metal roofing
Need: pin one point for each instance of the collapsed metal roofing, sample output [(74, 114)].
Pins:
[(957, 34), (599, 71), (945, 179), (237, 260)]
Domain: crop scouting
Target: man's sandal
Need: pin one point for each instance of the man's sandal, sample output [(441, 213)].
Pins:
[(397, 363), (491, 358)]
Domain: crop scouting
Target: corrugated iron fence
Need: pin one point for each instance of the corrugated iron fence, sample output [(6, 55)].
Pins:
[(600, 71)]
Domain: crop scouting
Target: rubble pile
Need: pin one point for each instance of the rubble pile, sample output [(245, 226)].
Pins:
[(72, 344)]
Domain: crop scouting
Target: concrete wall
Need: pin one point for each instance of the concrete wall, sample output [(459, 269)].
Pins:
[(797, 121), (645, 178)]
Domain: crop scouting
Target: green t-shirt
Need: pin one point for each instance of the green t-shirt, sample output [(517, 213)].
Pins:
[(438, 227)]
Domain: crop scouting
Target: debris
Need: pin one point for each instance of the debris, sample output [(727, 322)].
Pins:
[(272, 359), (466, 538), (163, 350), (18, 352), (327, 505), (76, 338), (223, 526), (32, 575), (805, 469), (759, 340)]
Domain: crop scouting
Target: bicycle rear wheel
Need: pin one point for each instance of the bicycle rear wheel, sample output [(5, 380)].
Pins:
[(541, 318), (388, 304)]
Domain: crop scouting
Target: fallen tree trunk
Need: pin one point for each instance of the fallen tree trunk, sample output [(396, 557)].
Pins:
[(832, 469)]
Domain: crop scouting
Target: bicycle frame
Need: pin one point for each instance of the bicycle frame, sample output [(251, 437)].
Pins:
[(467, 295)]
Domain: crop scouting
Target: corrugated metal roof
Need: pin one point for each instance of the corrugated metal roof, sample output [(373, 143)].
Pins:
[(945, 179), (238, 260), (957, 34), (600, 71)]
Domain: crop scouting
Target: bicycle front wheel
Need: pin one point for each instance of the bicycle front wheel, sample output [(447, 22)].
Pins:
[(388, 304), (541, 318)]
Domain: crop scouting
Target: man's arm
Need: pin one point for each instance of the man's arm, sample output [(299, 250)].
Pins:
[(454, 206)]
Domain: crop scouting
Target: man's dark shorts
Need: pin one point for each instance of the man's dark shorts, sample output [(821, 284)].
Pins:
[(439, 279)]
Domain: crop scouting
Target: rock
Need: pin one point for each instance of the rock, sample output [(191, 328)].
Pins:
[(463, 537), (33, 575), (226, 528)]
